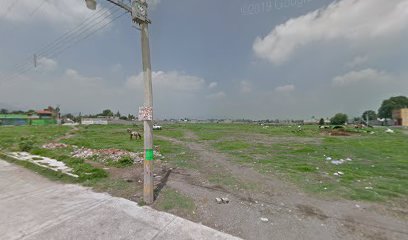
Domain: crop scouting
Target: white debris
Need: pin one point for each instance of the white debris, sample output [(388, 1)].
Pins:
[(389, 130), (369, 188), (328, 158), (225, 200), (349, 159), (336, 174), (218, 200), (337, 162), (45, 162), (357, 206), (264, 219), (341, 173)]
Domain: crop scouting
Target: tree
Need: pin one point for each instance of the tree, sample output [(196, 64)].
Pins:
[(3, 111), (321, 122), (69, 116), (117, 114), (31, 111), (372, 115), (339, 119), (391, 104), (107, 113)]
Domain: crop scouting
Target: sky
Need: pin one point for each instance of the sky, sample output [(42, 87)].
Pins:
[(252, 59)]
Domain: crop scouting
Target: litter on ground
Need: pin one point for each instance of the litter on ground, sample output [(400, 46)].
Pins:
[(389, 130), (264, 219), (45, 162)]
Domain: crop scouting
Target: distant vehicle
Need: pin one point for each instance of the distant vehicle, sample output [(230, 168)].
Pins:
[(157, 127)]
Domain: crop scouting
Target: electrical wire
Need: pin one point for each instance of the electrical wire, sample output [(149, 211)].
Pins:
[(81, 32), (59, 51)]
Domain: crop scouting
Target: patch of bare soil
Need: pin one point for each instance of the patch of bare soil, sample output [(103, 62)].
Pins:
[(291, 213)]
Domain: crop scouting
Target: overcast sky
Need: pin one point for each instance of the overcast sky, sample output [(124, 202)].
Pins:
[(216, 58)]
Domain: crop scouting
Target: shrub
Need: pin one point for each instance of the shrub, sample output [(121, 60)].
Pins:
[(26, 144)]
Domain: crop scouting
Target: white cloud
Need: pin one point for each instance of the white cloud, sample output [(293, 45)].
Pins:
[(357, 61), (245, 86), (357, 21), (46, 64), (218, 95), (368, 76), (285, 88), (61, 13), (169, 81), (212, 85)]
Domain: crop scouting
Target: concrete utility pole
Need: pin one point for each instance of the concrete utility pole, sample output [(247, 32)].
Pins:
[(148, 123), (138, 10)]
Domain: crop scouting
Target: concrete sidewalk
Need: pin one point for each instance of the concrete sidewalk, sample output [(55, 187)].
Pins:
[(32, 207)]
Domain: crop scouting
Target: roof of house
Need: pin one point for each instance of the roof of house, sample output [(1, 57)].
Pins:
[(44, 112)]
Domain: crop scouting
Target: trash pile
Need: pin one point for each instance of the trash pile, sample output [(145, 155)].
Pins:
[(102, 155), (106, 154)]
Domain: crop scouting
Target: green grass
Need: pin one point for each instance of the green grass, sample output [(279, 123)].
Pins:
[(106, 136), (176, 155), (173, 201), (84, 170), (379, 161), (10, 136)]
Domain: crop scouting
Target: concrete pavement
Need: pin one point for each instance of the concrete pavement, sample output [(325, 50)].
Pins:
[(32, 207)]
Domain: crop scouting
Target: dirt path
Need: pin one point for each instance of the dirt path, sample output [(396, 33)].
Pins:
[(71, 133), (291, 213)]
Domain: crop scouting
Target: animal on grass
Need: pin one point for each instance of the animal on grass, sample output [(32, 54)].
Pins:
[(134, 134)]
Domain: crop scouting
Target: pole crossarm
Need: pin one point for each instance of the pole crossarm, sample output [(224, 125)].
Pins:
[(121, 4)]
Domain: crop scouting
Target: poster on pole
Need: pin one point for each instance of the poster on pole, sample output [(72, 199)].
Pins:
[(145, 114)]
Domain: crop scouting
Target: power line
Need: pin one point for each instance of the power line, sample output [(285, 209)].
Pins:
[(69, 36), (81, 30), (29, 67), (89, 21), (10, 7), (38, 8)]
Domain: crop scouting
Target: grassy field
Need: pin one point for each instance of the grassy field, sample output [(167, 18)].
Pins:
[(378, 170)]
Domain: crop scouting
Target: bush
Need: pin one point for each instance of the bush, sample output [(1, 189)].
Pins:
[(125, 161), (26, 144), (339, 119)]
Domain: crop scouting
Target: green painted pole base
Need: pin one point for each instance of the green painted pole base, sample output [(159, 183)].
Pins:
[(149, 154)]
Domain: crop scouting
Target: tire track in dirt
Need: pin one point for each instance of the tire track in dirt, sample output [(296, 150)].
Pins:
[(292, 214)]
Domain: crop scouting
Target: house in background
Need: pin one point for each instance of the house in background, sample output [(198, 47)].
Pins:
[(401, 117), (14, 119), (42, 117)]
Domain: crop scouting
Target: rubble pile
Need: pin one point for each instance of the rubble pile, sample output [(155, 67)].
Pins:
[(102, 155), (54, 145), (106, 154)]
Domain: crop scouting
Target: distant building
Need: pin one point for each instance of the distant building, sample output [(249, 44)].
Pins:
[(42, 117), (94, 121), (14, 119), (400, 116)]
